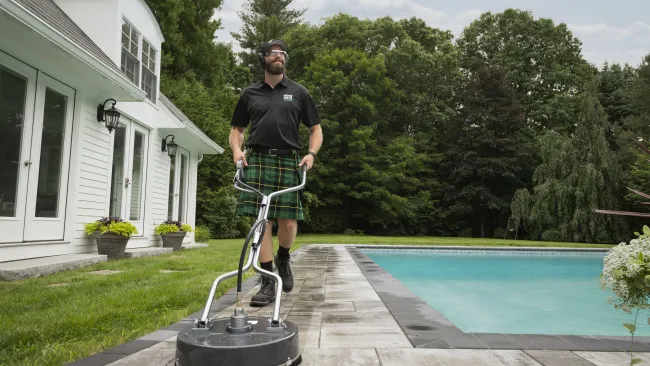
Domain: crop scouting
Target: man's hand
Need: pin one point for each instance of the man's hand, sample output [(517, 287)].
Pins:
[(238, 155), (309, 160)]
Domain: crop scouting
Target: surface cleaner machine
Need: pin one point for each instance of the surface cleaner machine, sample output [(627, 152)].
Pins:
[(241, 339)]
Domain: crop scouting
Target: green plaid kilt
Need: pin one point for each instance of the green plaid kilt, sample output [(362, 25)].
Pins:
[(268, 174)]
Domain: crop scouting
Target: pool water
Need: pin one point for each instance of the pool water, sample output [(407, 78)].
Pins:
[(516, 294)]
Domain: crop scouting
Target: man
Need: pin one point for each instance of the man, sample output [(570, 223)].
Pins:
[(274, 107)]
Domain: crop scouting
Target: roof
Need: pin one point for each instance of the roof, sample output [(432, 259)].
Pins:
[(52, 15), (175, 111), (55, 17), (188, 124)]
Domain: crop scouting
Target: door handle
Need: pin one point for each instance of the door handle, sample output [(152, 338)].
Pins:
[(126, 182), (27, 163)]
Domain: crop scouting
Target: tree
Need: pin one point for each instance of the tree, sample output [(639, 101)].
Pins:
[(190, 50), (630, 98), (201, 77), (615, 91), (543, 60), (578, 175), (264, 20), (399, 147), (490, 154)]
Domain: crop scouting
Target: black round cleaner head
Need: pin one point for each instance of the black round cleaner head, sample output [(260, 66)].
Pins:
[(239, 340)]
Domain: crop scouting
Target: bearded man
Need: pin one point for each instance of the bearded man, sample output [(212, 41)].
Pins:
[(273, 109)]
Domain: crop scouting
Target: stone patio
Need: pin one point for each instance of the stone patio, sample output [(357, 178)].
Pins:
[(351, 312)]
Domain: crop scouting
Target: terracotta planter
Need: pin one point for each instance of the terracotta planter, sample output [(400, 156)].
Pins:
[(111, 244), (173, 240)]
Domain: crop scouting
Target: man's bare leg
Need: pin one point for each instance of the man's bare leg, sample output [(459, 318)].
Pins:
[(266, 249), (287, 229), (267, 290)]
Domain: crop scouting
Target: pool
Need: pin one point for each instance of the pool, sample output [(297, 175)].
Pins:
[(515, 292)]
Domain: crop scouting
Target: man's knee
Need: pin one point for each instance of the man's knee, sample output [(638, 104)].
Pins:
[(288, 225)]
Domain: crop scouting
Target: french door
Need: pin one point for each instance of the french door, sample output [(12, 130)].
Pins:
[(178, 183), (36, 114), (128, 176)]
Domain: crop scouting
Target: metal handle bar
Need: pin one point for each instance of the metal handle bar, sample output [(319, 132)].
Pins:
[(253, 257), (249, 189)]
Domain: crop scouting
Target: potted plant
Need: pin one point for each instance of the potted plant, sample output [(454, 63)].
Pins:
[(172, 233), (112, 235)]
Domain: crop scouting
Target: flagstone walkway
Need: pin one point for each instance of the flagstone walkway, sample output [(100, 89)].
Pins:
[(343, 321)]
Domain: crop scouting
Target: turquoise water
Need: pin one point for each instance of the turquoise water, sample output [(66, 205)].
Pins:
[(500, 293)]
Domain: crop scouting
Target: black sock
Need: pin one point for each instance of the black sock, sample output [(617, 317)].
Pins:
[(283, 252), (268, 266)]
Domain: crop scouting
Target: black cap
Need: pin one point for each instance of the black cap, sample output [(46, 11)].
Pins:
[(278, 42)]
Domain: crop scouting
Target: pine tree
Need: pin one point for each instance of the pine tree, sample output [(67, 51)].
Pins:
[(578, 175), (264, 20), (490, 153)]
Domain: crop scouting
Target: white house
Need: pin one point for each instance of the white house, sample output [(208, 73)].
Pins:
[(60, 166)]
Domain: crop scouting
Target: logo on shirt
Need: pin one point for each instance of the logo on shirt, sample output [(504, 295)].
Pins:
[(288, 97)]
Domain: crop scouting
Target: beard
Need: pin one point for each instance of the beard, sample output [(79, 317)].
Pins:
[(274, 68)]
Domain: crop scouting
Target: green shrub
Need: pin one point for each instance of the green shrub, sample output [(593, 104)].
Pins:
[(202, 234), (221, 218)]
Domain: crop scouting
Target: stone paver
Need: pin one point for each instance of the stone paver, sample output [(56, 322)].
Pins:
[(558, 358), (343, 321), (440, 357), (612, 358)]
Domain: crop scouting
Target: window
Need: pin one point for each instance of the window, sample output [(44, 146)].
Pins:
[(178, 182), (139, 60), (129, 173), (130, 51), (148, 70)]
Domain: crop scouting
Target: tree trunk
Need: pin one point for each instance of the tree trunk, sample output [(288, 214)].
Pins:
[(482, 223)]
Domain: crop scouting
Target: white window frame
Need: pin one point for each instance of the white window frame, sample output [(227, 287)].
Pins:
[(145, 67)]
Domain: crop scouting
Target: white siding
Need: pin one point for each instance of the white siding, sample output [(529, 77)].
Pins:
[(159, 182), (93, 170)]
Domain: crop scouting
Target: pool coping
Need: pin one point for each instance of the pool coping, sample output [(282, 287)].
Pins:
[(427, 328)]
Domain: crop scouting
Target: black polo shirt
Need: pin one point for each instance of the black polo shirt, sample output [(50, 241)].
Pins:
[(275, 114)]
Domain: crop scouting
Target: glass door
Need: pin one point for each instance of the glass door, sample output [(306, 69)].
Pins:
[(128, 178), (138, 168), (48, 164), (17, 93), (178, 183), (182, 187)]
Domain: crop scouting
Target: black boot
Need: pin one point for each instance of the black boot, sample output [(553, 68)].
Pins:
[(284, 270), (266, 293)]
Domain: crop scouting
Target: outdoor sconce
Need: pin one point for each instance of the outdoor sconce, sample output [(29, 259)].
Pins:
[(170, 146), (110, 116)]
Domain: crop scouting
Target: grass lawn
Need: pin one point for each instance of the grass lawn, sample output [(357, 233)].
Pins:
[(71, 315)]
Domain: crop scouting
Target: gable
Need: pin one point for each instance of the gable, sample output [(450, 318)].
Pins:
[(52, 15)]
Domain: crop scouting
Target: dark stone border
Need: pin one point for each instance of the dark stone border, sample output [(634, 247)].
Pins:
[(482, 248), (218, 305), (427, 328)]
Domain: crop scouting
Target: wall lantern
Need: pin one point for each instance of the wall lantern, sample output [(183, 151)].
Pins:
[(110, 116), (170, 146)]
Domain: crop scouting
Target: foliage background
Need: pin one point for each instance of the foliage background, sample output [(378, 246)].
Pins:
[(425, 134)]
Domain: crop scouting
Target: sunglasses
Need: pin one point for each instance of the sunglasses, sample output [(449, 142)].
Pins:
[(276, 53)]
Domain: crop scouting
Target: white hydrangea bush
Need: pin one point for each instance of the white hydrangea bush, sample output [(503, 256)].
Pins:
[(626, 273)]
